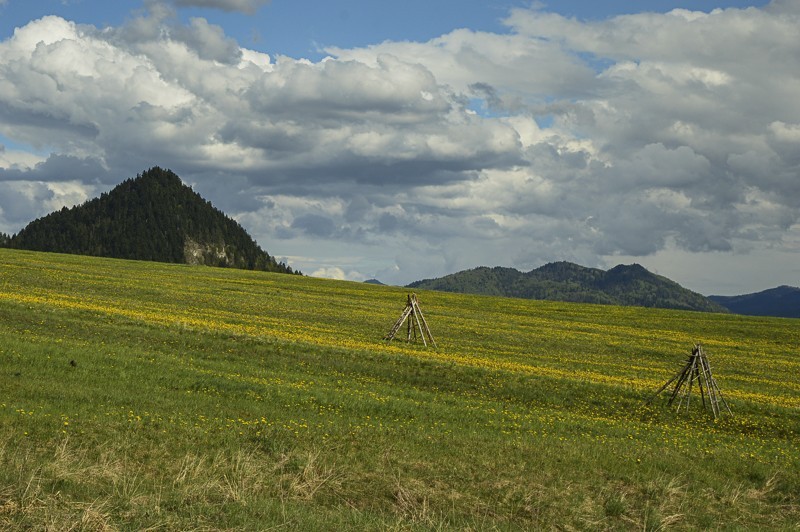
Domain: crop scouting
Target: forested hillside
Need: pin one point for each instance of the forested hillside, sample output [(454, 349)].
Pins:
[(783, 301), (564, 281), (152, 217)]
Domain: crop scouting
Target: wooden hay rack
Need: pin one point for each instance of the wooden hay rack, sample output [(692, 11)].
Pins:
[(412, 316), (696, 370)]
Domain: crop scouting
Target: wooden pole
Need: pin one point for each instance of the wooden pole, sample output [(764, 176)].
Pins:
[(421, 320), (398, 323), (684, 373)]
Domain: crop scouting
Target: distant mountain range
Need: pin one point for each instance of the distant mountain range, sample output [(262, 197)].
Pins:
[(631, 285), (783, 301), (151, 217)]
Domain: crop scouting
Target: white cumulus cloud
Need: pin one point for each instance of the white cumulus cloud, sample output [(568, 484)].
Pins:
[(645, 135)]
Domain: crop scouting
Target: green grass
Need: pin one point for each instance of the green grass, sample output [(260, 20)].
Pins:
[(208, 398)]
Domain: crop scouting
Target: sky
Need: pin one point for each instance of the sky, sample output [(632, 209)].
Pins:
[(403, 141)]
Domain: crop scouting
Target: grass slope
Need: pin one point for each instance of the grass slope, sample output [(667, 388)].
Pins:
[(208, 398)]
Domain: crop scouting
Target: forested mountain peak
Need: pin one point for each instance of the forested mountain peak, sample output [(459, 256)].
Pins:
[(782, 301), (566, 281), (153, 216), (564, 271)]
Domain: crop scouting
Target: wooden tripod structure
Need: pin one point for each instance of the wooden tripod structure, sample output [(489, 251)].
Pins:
[(416, 321), (697, 369)]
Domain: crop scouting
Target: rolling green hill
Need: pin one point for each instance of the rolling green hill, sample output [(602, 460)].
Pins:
[(152, 217), (564, 281), (783, 301), (143, 395)]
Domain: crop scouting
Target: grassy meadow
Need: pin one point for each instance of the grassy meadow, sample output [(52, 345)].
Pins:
[(145, 396)]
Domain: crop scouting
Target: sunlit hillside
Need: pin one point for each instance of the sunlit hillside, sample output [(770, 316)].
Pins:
[(142, 395)]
